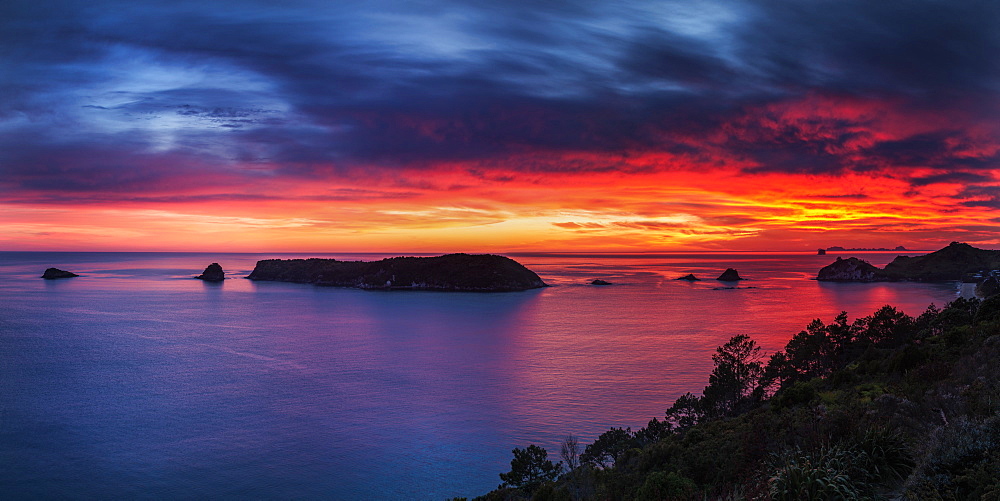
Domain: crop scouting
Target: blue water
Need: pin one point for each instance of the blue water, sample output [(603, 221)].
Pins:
[(137, 381)]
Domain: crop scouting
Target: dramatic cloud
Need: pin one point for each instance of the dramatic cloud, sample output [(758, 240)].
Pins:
[(678, 124)]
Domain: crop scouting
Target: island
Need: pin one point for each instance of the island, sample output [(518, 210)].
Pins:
[(55, 273), (861, 249), (730, 275), (212, 273), (451, 272), (953, 262), (600, 282)]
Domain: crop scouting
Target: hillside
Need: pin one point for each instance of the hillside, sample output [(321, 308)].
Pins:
[(888, 406)]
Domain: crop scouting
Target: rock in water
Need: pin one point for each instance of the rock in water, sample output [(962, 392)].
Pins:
[(600, 282), (54, 273), (851, 269), (730, 275), (689, 277), (213, 273), (452, 272)]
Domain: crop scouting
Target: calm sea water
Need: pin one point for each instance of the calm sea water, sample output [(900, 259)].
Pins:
[(137, 381)]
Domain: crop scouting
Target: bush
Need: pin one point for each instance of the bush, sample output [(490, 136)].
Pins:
[(662, 486), (823, 475)]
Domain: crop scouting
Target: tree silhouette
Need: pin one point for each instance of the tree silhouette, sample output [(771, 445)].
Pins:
[(530, 468)]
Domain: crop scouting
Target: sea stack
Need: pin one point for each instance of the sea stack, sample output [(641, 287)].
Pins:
[(821, 252), (54, 273), (730, 275), (689, 277), (213, 273), (600, 282)]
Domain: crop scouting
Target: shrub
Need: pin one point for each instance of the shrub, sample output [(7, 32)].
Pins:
[(822, 475), (660, 486)]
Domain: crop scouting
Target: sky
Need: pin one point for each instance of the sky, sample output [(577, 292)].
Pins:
[(511, 126)]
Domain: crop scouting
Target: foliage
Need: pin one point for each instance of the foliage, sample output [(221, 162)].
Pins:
[(821, 475), (660, 486), (654, 431), (734, 378), (963, 463), (609, 447), (685, 412), (530, 468)]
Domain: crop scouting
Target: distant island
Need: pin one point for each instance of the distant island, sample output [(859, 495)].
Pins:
[(864, 249), (957, 261), (451, 272)]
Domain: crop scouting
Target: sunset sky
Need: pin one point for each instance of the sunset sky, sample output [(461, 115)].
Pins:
[(498, 126)]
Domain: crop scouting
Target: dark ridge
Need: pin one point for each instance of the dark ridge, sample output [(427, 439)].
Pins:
[(452, 272)]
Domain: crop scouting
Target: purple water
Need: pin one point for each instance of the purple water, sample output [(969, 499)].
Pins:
[(137, 381)]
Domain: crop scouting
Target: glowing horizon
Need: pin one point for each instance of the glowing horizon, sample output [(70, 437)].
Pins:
[(400, 127)]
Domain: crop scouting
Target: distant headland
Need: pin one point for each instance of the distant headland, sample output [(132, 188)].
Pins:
[(865, 249), (451, 272), (957, 261)]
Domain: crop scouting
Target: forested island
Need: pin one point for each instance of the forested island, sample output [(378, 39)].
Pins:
[(888, 406), (451, 272)]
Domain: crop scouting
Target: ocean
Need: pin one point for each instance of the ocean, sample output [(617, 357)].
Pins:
[(135, 380)]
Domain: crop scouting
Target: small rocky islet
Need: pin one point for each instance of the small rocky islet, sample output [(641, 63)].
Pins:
[(730, 275), (212, 273), (56, 273)]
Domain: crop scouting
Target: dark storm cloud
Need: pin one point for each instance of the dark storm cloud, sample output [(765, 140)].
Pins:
[(952, 177), (310, 88), (928, 48)]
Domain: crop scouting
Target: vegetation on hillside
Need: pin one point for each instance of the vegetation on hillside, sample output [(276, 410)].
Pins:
[(888, 406)]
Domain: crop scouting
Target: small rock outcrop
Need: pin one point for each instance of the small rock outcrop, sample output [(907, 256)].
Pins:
[(821, 252), (54, 273), (851, 269), (730, 275), (600, 282), (213, 273), (689, 277)]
